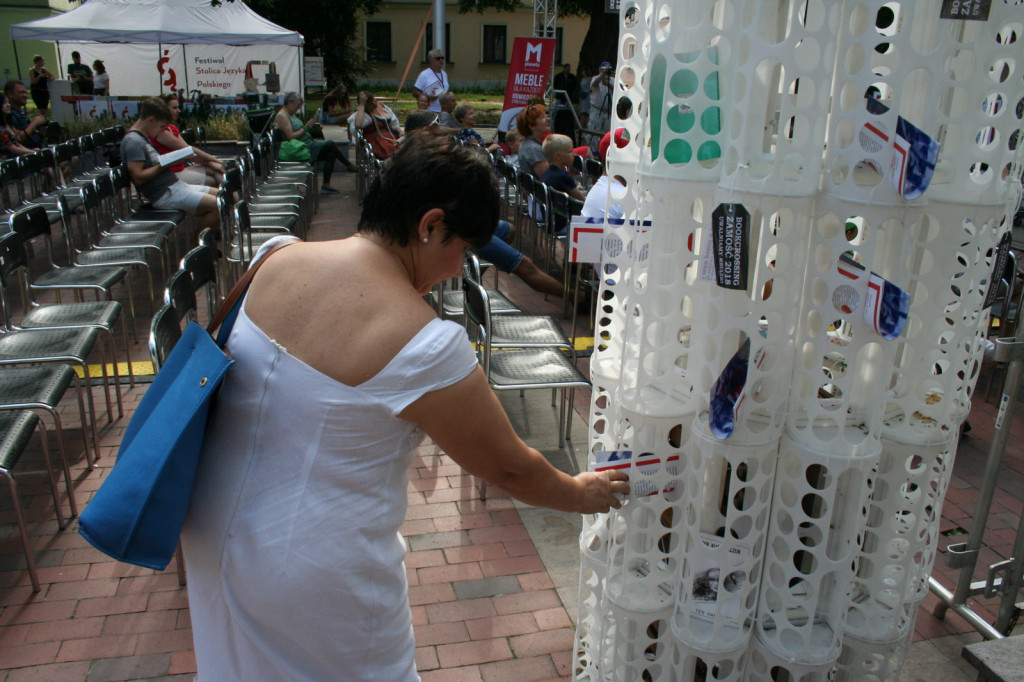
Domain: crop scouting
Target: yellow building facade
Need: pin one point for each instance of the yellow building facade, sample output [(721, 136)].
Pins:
[(479, 45)]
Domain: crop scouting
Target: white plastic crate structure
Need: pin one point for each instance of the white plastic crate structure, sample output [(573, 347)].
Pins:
[(786, 532)]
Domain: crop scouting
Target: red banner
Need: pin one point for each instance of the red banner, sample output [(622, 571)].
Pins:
[(528, 74)]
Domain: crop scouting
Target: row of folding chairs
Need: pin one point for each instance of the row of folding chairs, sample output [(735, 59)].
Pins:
[(40, 348), (535, 209)]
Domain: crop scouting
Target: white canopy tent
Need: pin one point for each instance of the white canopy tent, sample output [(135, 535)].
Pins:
[(153, 46)]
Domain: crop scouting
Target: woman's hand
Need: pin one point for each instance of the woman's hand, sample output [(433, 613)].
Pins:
[(598, 490)]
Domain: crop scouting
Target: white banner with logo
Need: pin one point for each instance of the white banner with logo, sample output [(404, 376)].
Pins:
[(141, 69)]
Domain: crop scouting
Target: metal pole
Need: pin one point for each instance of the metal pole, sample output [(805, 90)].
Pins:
[(439, 28), (1011, 586), (976, 621), (964, 556)]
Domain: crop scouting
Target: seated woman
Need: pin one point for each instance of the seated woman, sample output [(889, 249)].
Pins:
[(465, 114), (333, 112), (293, 128), (208, 169), (378, 123)]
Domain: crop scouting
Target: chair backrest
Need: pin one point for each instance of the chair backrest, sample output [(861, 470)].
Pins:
[(189, 136), (164, 333), (477, 307), (208, 238), (594, 169), (201, 265), (12, 259), (575, 206), (31, 222), (559, 203), (12, 256), (87, 152), (180, 295), (33, 167), (232, 180), (54, 133), (10, 179)]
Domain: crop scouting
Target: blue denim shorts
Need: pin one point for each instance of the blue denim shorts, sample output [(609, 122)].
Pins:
[(504, 256)]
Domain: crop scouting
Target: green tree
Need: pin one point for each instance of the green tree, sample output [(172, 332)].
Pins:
[(328, 27), (602, 39)]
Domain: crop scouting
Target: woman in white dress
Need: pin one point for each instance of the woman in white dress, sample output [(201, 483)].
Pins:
[(295, 562)]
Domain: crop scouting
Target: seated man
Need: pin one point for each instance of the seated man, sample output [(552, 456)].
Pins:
[(446, 119), (600, 194), (158, 185), (558, 150), (30, 131)]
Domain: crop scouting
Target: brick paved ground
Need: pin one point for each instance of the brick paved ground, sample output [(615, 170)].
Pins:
[(484, 603)]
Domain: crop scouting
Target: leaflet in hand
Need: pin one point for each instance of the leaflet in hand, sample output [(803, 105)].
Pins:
[(175, 156)]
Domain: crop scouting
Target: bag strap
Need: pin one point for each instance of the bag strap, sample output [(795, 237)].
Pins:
[(240, 288)]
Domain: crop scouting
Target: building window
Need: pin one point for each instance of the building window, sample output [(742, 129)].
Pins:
[(494, 45), (428, 42), (378, 41)]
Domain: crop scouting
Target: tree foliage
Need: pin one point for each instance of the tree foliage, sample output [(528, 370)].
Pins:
[(602, 37), (328, 27)]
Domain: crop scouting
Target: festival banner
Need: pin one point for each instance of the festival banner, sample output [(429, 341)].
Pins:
[(528, 74)]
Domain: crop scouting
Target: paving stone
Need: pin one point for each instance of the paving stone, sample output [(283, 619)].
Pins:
[(487, 587)]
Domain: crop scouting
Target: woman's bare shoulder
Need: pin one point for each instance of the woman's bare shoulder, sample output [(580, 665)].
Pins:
[(314, 298)]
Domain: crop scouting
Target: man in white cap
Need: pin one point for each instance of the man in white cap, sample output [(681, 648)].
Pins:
[(601, 98)]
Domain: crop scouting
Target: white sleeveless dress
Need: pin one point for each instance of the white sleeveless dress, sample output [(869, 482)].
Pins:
[(295, 562)]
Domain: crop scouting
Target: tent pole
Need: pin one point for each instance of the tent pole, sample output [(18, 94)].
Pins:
[(60, 62), (302, 70), (17, 64), (184, 60)]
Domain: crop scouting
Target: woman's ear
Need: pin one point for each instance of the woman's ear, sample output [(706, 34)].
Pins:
[(430, 222)]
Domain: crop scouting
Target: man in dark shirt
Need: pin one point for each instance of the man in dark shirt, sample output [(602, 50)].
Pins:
[(80, 75), (566, 80), (29, 129)]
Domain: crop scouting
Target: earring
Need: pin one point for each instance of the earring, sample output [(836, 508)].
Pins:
[(426, 239)]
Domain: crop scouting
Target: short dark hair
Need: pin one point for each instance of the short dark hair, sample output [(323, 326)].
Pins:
[(75, 55), (433, 170), (155, 107), (10, 85)]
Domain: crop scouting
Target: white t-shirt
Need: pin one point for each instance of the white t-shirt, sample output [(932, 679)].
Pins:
[(598, 94), (434, 84), (599, 196)]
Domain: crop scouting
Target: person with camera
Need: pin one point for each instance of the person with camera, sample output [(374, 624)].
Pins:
[(30, 131), (601, 98)]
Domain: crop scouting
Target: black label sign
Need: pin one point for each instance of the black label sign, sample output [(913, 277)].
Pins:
[(998, 270), (730, 224), (970, 10)]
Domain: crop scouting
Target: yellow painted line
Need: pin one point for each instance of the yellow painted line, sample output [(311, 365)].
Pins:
[(140, 369)]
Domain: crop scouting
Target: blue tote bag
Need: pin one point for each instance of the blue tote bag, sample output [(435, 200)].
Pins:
[(137, 514)]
